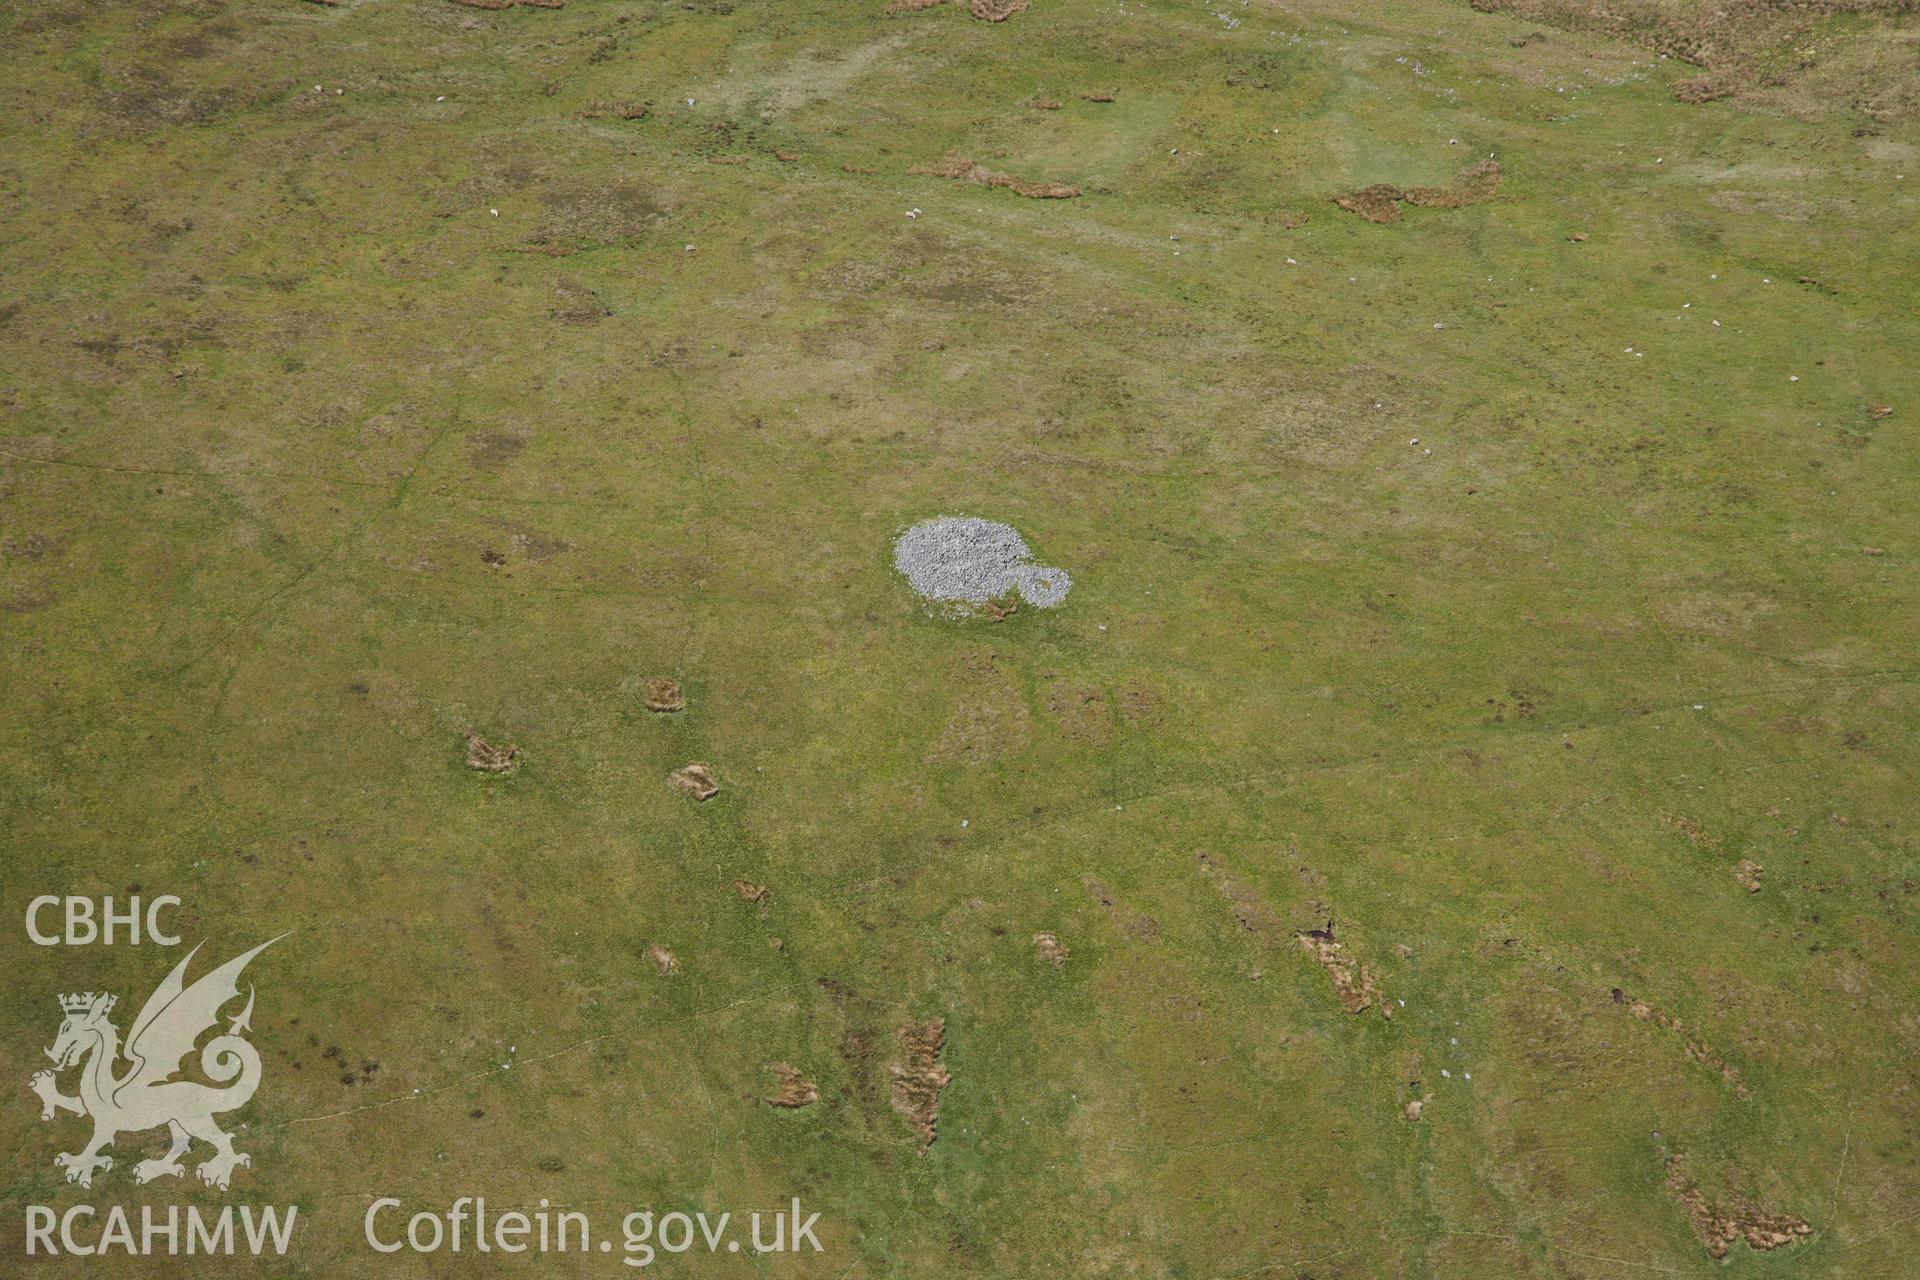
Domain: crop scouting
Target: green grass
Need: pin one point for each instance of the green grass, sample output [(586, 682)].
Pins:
[(273, 376)]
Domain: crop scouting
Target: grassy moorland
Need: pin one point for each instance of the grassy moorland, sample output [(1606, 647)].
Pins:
[(1491, 582)]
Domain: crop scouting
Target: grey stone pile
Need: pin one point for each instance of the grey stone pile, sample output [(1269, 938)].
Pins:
[(967, 560)]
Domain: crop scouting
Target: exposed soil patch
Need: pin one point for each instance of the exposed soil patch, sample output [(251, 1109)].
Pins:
[(966, 170), (508, 4), (1718, 1227), (1381, 202), (663, 959), (483, 755), (1353, 982), (791, 1089), (1416, 1106), (1696, 1048), (748, 891), (1097, 95), (695, 780), (1049, 948), (1746, 873), (919, 1077), (663, 695)]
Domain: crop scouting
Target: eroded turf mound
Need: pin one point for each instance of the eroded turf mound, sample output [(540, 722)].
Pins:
[(1381, 201), (958, 170)]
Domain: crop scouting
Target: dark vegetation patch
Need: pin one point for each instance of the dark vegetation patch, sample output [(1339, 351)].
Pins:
[(1080, 711), (1744, 47), (617, 110), (1132, 923), (1250, 908), (583, 217), (491, 450), (577, 303), (990, 719)]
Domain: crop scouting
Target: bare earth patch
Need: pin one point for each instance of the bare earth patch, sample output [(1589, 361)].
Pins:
[(662, 694), (919, 1077), (958, 170), (663, 959), (1353, 982), (1718, 1227), (483, 755), (748, 891), (695, 780), (1746, 873), (1049, 947), (791, 1089), (1381, 202)]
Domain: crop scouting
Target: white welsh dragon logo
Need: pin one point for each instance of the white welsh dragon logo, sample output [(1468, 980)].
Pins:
[(145, 1097)]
